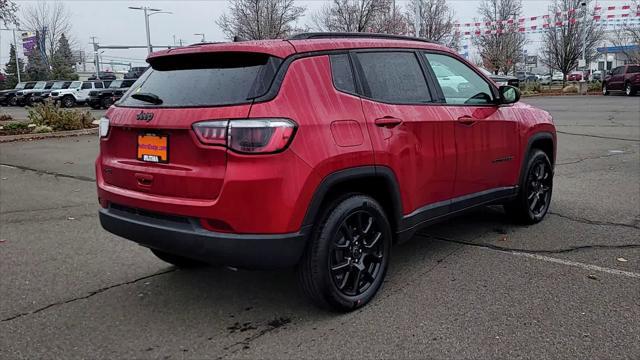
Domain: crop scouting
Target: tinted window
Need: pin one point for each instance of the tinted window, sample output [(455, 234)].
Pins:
[(98, 85), (86, 85), (394, 77), (205, 79), (617, 71), (127, 83), (633, 69), (341, 73), (459, 83)]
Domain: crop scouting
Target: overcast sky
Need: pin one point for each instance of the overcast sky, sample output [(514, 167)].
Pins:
[(114, 24)]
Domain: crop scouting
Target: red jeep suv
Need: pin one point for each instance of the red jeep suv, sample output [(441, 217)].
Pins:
[(319, 151)]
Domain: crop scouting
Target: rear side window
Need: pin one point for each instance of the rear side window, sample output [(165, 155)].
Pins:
[(209, 79), (99, 85), (342, 73), (86, 85), (394, 77), (633, 69)]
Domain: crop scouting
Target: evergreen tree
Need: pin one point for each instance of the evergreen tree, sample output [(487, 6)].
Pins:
[(10, 69), (37, 68), (62, 61)]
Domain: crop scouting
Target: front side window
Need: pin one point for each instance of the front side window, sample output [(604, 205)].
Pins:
[(394, 77), (459, 83), (632, 69), (341, 73), (75, 85)]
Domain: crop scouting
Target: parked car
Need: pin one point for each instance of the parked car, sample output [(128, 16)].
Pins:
[(557, 77), (104, 75), (135, 72), (545, 79), (622, 78), (576, 76), (8, 97), (596, 75), (269, 174), (105, 97), (525, 76), (25, 97), (501, 80), (76, 93), (41, 95)]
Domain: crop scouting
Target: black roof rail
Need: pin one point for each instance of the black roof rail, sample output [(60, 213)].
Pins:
[(354, 35)]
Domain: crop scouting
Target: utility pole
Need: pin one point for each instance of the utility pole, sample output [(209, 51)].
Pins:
[(148, 12), (15, 44), (201, 34), (584, 33), (96, 58), (417, 12)]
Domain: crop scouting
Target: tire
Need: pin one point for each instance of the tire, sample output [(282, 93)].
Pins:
[(13, 101), (68, 101), (536, 187), (629, 90), (177, 260), (105, 103), (605, 91), (347, 257)]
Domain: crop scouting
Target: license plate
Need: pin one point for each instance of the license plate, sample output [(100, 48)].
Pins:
[(153, 148)]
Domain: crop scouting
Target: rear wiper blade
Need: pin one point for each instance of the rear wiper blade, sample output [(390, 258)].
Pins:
[(147, 97)]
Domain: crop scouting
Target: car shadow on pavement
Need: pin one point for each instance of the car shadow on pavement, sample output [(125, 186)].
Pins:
[(229, 291)]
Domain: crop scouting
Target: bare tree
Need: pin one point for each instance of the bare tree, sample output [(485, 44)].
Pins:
[(260, 19), (8, 10), (562, 44), (501, 48), (50, 20), (627, 38), (435, 19), (377, 16)]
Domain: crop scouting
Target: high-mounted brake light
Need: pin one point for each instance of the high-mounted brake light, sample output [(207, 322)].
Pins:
[(250, 136), (103, 129)]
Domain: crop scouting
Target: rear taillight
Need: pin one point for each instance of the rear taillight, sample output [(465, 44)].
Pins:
[(250, 136), (103, 129)]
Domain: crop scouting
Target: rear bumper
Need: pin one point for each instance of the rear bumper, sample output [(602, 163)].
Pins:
[(185, 237)]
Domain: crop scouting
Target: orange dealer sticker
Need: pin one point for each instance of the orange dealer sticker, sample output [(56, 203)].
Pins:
[(153, 148)]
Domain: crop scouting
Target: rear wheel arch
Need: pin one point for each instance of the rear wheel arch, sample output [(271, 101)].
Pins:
[(378, 182)]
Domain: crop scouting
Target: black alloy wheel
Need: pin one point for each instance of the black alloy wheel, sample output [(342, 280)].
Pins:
[(356, 254), (347, 255), (534, 197), (539, 188)]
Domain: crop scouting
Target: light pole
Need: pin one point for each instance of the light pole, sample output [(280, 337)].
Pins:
[(200, 34), (148, 12), (584, 36)]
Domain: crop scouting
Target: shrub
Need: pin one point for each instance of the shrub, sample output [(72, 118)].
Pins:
[(595, 86), (15, 126), (5, 117), (42, 129), (47, 114)]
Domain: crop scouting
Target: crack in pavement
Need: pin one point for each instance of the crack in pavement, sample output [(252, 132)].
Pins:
[(45, 172), (526, 251), (596, 157), (243, 344), (594, 222), (597, 136), (92, 293)]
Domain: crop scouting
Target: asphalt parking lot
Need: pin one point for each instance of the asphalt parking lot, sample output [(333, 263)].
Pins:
[(474, 287)]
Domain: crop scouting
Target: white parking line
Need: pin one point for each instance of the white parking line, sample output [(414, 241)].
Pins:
[(576, 264)]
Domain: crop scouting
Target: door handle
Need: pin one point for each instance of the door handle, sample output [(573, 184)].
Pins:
[(388, 122), (466, 120)]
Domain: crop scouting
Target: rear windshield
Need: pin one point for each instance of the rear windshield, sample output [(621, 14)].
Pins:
[(632, 69), (211, 79)]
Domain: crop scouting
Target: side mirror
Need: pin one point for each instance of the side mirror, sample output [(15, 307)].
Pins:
[(509, 94)]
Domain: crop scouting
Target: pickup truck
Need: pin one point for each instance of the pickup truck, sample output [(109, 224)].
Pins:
[(622, 78)]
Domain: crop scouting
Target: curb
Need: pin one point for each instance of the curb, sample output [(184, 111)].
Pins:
[(58, 134)]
